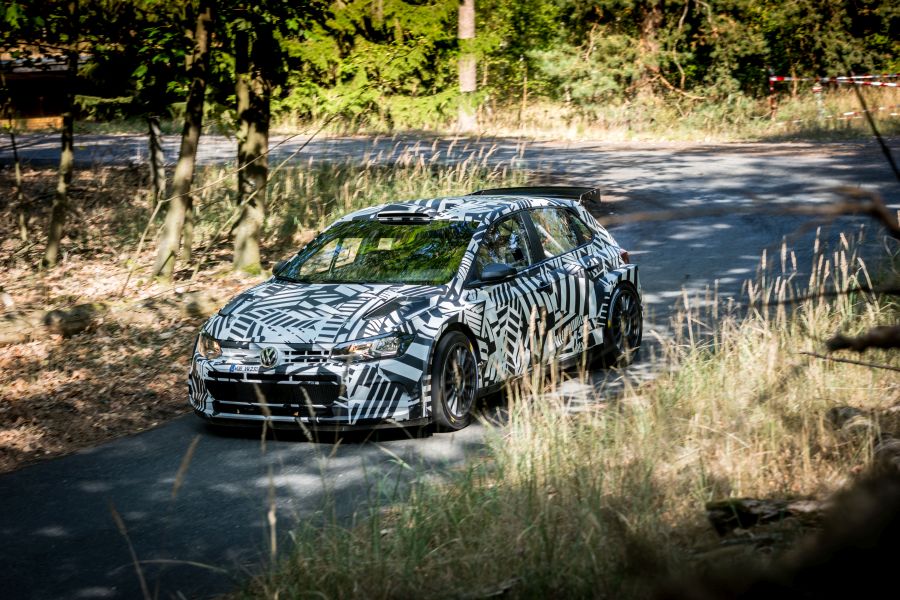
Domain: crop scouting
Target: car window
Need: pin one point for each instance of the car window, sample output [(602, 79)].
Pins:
[(584, 232), (505, 242), (369, 251), (555, 231)]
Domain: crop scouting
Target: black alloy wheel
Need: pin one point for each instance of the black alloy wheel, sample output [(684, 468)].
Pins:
[(454, 382), (624, 327)]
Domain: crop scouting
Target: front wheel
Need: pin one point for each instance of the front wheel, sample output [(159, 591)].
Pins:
[(624, 328), (454, 382)]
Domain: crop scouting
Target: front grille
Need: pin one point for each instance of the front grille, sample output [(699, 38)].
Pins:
[(281, 392), (275, 394), (275, 410), (333, 412)]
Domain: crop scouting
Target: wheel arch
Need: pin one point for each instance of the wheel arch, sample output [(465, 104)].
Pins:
[(462, 328), (624, 275), (446, 328)]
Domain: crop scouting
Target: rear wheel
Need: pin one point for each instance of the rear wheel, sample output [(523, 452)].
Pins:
[(454, 382), (624, 328)]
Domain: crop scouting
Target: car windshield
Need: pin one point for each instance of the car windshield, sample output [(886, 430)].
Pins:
[(369, 251)]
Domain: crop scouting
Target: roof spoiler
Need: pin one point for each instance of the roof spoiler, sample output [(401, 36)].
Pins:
[(581, 194)]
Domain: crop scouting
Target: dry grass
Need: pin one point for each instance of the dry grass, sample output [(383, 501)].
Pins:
[(669, 118), (737, 119), (609, 502), (660, 118)]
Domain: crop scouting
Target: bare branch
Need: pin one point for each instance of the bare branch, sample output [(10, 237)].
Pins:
[(666, 83), (884, 290), (865, 109), (886, 336), (852, 362)]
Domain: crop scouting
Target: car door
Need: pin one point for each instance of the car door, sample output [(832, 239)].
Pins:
[(512, 308), (566, 262), (595, 260)]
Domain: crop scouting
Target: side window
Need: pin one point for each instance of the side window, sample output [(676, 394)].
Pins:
[(584, 232), (505, 242), (555, 231)]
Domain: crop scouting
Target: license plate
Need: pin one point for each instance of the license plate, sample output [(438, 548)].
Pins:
[(243, 369)]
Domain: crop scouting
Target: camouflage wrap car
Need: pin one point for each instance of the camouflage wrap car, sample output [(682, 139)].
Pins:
[(405, 313)]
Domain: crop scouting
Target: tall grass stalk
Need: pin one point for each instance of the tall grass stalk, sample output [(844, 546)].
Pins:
[(307, 198), (659, 118), (606, 502)]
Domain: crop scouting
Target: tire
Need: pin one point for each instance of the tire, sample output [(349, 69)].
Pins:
[(624, 328), (454, 382)]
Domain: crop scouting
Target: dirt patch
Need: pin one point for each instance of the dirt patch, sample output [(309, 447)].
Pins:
[(128, 371)]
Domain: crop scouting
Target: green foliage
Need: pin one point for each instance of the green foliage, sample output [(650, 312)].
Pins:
[(392, 64), (97, 108), (358, 55), (714, 50), (598, 73), (508, 33)]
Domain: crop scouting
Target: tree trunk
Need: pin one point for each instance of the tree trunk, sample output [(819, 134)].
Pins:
[(67, 151), (467, 67), (157, 162), (523, 108), (649, 43), (61, 198), (19, 194), (253, 89), (187, 231), (170, 236)]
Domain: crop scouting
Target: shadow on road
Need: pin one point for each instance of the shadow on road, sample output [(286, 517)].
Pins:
[(187, 519)]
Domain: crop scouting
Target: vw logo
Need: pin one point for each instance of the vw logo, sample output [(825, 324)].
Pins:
[(268, 357)]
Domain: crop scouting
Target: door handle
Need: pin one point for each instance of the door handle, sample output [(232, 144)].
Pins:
[(544, 286)]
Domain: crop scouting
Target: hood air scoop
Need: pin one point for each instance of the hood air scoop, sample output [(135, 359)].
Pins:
[(404, 213)]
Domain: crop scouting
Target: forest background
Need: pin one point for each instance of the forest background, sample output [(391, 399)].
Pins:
[(394, 65), (389, 64)]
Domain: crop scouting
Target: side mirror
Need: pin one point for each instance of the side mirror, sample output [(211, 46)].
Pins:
[(278, 266), (497, 272)]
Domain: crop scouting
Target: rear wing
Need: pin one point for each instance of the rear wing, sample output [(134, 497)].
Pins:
[(580, 194)]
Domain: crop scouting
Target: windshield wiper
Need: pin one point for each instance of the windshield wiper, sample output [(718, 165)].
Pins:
[(292, 279)]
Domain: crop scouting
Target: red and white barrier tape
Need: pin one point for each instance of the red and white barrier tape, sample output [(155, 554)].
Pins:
[(854, 114), (859, 113), (841, 79)]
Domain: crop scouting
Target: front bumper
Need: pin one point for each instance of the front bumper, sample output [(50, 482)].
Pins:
[(319, 394)]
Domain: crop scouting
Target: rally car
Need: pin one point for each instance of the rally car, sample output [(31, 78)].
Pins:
[(404, 314)]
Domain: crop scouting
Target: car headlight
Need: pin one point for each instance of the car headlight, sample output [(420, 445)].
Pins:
[(373, 348), (208, 347)]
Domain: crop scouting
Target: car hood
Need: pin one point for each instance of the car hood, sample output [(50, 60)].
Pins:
[(278, 311)]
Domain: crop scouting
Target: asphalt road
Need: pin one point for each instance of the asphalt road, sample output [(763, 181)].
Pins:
[(59, 533)]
